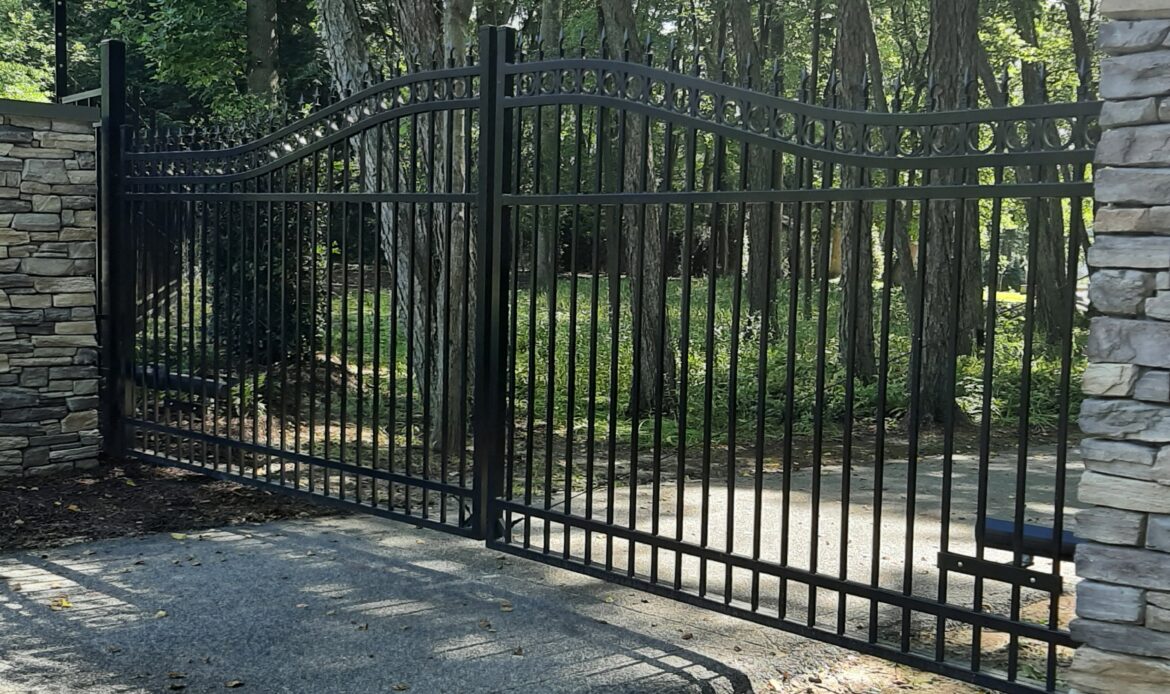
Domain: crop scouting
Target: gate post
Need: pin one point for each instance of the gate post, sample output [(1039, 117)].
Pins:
[(1123, 600), (496, 48), (115, 270)]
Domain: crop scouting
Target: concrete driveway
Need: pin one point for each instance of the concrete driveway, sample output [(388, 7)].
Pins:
[(359, 604)]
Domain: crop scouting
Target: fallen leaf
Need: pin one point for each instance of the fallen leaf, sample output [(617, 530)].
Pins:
[(519, 651), (505, 606), (160, 614), (301, 605), (233, 684), (485, 624), (401, 687), (129, 482), (61, 603), (363, 627), (176, 675), (73, 507), (609, 598), (688, 636), (178, 536)]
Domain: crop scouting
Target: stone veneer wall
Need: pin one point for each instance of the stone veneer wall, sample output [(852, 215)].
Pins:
[(48, 333), (1123, 601)]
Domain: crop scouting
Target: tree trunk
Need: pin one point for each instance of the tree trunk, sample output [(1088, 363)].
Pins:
[(951, 240), (1045, 215), (263, 76), (426, 263), (548, 240), (761, 274), (655, 364), (855, 324)]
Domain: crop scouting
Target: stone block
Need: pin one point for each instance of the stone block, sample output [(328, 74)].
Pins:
[(79, 421), (35, 221), (78, 202), (82, 402), (1158, 598), (1120, 291), (1121, 340), (83, 177), (32, 122), (32, 414), (1121, 38), (1131, 566), (71, 189), (70, 285), (50, 171), (1135, 9), (1157, 618), (1108, 602), (74, 142), (1105, 379), (1094, 671), (11, 398), (1132, 186), (1125, 459), (64, 341), (1158, 307), (1111, 526), (1153, 386), (30, 301), (1136, 252), (8, 206), (1145, 145), (46, 203), (1123, 492), (1135, 75), (77, 127), (46, 267), (13, 238), (1158, 535), (1122, 638), (17, 134), (1123, 419)]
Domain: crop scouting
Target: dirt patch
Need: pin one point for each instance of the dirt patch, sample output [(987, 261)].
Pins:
[(131, 499)]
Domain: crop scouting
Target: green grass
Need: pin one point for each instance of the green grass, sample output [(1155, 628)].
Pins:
[(546, 339), (543, 340)]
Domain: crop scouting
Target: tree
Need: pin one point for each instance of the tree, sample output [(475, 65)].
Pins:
[(645, 250), (761, 268), (430, 267), (855, 326), (548, 240), (950, 278), (263, 74)]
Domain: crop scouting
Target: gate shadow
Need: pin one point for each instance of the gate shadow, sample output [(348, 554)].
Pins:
[(340, 605)]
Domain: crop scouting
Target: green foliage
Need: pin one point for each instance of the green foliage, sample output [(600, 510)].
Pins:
[(26, 52)]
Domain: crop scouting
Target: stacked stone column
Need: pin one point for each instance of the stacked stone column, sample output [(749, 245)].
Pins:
[(48, 332), (1123, 601)]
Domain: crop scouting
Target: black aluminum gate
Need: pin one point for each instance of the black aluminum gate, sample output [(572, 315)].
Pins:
[(809, 364)]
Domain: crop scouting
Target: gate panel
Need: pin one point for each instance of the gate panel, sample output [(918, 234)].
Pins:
[(712, 398), (305, 299), (805, 363)]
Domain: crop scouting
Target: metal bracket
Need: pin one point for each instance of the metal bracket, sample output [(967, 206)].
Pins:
[(1006, 573)]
